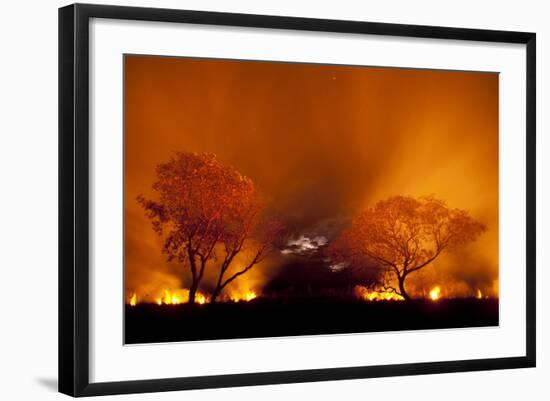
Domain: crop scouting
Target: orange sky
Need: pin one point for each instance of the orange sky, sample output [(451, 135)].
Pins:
[(322, 141)]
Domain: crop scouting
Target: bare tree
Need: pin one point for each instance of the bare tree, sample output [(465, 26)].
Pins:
[(250, 232)]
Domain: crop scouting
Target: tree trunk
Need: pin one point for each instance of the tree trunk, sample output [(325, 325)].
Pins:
[(215, 295), (402, 289), (193, 291), (194, 279), (219, 287)]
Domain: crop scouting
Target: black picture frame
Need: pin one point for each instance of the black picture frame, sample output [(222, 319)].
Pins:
[(74, 198)]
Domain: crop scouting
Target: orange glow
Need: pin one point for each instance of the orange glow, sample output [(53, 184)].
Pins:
[(177, 297), (371, 295), (181, 296), (435, 293), (200, 298), (479, 294), (246, 296)]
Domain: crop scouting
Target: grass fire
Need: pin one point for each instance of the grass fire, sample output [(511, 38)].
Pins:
[(362, 293)]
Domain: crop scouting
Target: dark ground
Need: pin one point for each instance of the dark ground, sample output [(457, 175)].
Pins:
[(146, 323)]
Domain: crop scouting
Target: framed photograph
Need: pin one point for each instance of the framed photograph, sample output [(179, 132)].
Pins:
[(250, 199)]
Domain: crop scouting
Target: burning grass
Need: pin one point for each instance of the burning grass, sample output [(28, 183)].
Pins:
[(181, 296), (362, 293)]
